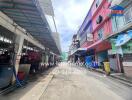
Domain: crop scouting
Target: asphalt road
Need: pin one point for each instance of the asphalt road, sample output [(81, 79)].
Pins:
[(76, 83)]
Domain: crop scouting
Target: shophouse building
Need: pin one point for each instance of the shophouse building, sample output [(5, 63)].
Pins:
[(73, 56), (101, 23), (85, 32), (121, 36), (94, 29), (107, 32)]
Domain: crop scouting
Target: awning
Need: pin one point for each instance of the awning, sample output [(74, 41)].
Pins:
[(79, 50), (82, 49), (123, 38), (130, 33), (100, 45), (30, 15), (47, 7), (94, 44)]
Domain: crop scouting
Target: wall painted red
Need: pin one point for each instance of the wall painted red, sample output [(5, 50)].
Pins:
[(86, 44)]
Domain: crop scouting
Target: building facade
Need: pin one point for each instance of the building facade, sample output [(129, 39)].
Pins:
[(107, 32), (121, 37), (72, 56)]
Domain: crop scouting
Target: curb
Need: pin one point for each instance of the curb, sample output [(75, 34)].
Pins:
[(122, 80), (7, 90), (99, 71), (46, 86)]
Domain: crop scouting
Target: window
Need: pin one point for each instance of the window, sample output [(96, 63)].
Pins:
[(100, 34), (128, 15), (98, 2), (117, 23), (99, 19), (89, 29), (120, 21), (83, 39)]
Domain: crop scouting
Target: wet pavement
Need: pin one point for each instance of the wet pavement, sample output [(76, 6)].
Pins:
[(67, 82)]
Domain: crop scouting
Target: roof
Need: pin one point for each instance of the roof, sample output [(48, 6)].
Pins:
[(29, 15)]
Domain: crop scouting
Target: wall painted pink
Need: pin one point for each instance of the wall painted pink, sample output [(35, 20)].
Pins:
[(104, 11)]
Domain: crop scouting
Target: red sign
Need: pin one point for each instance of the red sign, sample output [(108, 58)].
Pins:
[(120, 12)]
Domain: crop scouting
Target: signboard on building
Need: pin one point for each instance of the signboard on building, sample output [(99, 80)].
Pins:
[(89, 37), (117, 10), (122, 39)]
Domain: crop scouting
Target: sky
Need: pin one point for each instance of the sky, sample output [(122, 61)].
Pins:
[(69, 15)]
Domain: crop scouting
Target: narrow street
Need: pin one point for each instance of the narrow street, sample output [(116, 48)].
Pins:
[(67, 82), (75, 83), (65, 49)]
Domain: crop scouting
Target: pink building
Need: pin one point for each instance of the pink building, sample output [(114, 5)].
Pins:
[(101, 24), (102, 27), (97, 32)]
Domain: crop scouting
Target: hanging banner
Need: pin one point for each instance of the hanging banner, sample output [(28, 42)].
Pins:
[(117, 13), (130, 33), (122, 39), (117, 10)]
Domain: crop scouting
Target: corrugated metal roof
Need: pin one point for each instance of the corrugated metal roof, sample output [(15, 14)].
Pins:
[(29, 15), (47, 7)]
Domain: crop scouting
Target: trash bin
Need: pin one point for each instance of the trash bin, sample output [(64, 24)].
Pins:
[(107, 67)]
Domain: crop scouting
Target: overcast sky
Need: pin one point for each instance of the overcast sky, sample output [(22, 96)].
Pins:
[(69, 15)]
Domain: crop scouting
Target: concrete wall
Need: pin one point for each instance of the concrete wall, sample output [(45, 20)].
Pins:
[(104, 11)]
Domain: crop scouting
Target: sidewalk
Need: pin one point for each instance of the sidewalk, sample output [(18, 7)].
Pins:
[(119, 76), (33, 90), (122, 77)]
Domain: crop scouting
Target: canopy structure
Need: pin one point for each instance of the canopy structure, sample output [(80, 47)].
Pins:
[(100, 45), (30, 15), (79, 50)]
